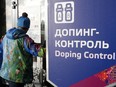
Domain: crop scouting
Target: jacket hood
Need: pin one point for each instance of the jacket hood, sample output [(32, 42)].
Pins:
[(15, 33)]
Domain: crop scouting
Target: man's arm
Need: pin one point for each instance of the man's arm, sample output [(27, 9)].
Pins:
[(33, 48)]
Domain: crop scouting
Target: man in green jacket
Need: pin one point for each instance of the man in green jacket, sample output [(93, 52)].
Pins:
[(18, 51)]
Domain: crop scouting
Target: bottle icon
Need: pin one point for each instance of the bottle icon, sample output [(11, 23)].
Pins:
[(68, 12), (59, 13)]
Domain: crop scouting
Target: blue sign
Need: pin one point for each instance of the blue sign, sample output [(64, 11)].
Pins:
[(81, 39)]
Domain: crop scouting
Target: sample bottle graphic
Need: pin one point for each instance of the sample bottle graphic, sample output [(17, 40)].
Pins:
[(64, 12), (59, 13), (68, 12)]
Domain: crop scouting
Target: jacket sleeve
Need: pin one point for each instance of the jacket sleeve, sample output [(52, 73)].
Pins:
[(33, 48), (1, 45), (1, 53)]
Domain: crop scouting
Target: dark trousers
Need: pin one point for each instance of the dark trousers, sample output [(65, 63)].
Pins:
[(2, 84), (13, 84)]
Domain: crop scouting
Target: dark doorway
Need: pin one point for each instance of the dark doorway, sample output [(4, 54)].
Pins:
[(2, 18)]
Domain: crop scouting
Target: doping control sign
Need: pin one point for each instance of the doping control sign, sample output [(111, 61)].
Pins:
[(81, 43)]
